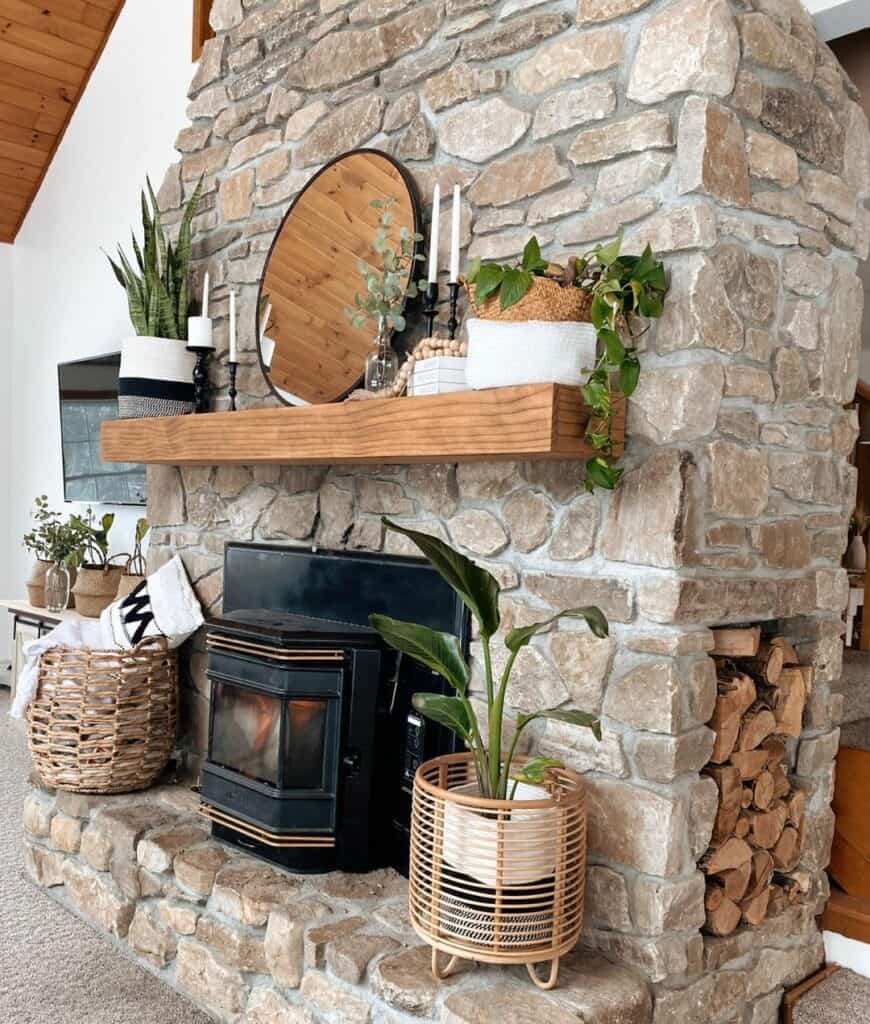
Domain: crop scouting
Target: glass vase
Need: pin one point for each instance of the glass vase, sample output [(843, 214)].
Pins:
[(57, 584), (382, 364)]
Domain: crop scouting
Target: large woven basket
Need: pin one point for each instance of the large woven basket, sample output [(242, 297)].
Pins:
[(104, 721), (547, 299), (498, 881)]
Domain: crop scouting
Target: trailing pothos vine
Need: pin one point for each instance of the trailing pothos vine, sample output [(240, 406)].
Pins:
[(625, 291)]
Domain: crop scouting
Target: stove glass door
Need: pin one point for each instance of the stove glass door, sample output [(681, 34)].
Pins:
[(246, 732), (305, 743)]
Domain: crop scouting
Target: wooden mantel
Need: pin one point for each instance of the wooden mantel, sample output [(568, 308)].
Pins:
[(536, 421)]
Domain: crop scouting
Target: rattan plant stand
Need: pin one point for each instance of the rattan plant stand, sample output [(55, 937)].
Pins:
[(496, 881), (104, 721)]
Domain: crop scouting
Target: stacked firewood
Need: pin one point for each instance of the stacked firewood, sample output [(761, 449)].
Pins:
[(751, 865)]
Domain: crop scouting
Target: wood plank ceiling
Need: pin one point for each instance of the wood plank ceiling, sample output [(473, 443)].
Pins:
[(48, 49)]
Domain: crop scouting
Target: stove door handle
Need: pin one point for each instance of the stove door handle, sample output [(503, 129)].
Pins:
[(352, 762)]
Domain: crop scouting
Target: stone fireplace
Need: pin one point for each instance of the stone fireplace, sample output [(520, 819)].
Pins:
[(724, 133)]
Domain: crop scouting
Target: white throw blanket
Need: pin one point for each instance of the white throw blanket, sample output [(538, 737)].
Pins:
[(70, 633), (164, 605)]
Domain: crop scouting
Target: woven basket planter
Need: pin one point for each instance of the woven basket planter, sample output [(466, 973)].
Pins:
[(95, 589), (127, 584), (36, 583), (545, 300), (498, 881), (104, 721)]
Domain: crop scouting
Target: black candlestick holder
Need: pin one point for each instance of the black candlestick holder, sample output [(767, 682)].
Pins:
[(200, 377), (233, 368), (430, 306), (453, 322)]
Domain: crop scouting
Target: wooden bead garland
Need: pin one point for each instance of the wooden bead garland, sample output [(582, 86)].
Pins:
[(427, 349)]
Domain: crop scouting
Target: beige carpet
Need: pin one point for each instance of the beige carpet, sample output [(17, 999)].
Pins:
[(844, 998), (54, 969)]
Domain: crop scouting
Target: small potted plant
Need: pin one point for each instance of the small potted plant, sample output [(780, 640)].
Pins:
[(383, 301), (497, 838), (97, 579), (134, 571), (156, 376), (543, 322), (58, 546)]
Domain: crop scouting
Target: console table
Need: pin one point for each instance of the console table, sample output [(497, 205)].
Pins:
[(28, 623)]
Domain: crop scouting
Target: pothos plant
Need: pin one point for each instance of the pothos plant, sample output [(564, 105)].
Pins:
[(387, 287), (442, 652), (625, 291)]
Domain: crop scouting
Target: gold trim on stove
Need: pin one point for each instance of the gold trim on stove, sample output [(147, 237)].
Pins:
[(234, 644), (262, 835)]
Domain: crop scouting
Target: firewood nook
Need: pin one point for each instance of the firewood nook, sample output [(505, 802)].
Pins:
[(724, 134)]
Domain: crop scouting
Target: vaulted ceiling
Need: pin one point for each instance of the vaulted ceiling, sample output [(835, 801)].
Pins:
[(48, 49)]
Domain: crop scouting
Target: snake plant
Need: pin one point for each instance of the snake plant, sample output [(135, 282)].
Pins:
[(157, 287)]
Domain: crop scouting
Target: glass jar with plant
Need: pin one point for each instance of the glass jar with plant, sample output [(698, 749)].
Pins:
[(58, 547), (97, 580), (498, 838), (387, 287), (156, 377), (617, 293)]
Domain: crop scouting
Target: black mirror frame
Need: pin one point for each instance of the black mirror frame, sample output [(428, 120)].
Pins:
[(417, 209)]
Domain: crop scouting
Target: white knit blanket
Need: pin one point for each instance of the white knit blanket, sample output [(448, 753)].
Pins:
[(164, 605)]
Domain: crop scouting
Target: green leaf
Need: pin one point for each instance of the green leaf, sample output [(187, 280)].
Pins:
[(609, 253), (473, 270), (439, 651), (579, 718), (477, 588), (515, 285), (593, 616), (452, 712), (613, 346), (489, 280), (629, 375), (535, 771), (599, 473), (532, 259)]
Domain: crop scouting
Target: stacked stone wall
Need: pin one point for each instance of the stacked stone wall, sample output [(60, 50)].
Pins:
[(727, 136)]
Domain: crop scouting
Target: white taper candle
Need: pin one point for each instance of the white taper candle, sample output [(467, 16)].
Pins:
[(454, 238), (233, 353), (433, 241), (205, 287)]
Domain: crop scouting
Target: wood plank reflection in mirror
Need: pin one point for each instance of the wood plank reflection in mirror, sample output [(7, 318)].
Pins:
[(312, 274)]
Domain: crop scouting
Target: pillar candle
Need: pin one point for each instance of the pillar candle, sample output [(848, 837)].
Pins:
[(433, 241)]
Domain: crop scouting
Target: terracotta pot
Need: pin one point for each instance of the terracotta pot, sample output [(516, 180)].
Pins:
[(128, 583), (95, 589), (36, 583)]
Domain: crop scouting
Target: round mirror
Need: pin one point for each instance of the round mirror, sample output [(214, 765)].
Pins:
[(309, 350)]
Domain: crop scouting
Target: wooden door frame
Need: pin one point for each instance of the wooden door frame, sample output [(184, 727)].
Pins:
[(202, 30)]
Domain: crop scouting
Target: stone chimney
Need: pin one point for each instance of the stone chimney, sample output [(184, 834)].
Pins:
[(726, 135)]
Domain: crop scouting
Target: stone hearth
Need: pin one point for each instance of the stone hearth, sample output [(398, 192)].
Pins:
[(245, 941)]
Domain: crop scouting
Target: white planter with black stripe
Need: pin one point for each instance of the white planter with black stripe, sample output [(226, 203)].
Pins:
[(156, 378)]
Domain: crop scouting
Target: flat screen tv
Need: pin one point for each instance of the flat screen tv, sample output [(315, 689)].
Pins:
[(88, 390)]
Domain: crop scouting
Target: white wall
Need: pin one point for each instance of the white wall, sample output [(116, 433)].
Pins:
[(6, 320), (835, 18), (67, 304)]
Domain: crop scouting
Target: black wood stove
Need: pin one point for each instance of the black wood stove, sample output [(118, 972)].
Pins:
[(313, 742)]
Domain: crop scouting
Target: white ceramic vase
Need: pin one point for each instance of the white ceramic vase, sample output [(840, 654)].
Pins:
[(533, 352), (156, 378)]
